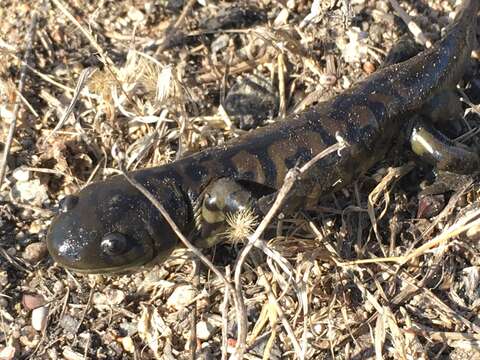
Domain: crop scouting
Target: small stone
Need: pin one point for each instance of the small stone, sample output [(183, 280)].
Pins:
[(430, 206), (32, 301), (182, 296), (136, 15), (7, 353), (58, 287), (369, 67), (69, 354), (128, 344), (3, 278), (35, 252), (220, 43), (204, 330), (99, 299), (115, 296), (39, 318), (35, 227), (3, 303), (474, 232), (69, 324), (328, 79), (12, 251), (32, 192), (174, 5), (20, 174)]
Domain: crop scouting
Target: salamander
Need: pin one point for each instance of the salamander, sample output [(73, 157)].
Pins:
[(110, 226)]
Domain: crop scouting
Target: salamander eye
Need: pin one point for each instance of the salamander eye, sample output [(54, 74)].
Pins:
[(114, 244), (68, 203), (210, 202)]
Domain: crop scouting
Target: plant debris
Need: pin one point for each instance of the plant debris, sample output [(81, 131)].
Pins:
[(387, 268)]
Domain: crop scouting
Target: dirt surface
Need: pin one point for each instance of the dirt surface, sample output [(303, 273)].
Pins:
[(158, 76)]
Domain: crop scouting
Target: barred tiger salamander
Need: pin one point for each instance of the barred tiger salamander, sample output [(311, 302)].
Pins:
[(110, 226)]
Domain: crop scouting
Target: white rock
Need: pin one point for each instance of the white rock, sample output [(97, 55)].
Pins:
[(32, 192), (182, 296), (204, 330), (135, 15), (20, 174), (7, 353), (39, 318)]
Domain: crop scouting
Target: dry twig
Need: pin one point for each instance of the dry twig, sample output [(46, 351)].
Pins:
[(21, 85)]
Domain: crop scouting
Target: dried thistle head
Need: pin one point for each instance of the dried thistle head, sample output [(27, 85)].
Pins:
[(240, 225)]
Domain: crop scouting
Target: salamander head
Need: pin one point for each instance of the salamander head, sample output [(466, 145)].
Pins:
[(110, 227)]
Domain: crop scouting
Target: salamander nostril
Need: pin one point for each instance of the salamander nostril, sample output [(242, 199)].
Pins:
[(68, 203)]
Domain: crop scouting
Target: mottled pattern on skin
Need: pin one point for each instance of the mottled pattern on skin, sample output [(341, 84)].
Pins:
[(248, 164), (367, 118), (280, 152)]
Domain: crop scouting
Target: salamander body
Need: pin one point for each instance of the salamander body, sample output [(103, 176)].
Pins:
[(109, 226)]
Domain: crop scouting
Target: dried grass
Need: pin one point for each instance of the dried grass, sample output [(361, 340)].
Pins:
[(336, 282)]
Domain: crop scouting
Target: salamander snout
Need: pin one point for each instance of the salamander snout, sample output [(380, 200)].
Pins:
[(109, 227)]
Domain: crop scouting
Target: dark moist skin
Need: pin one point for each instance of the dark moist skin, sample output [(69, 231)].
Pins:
[(111, 227)]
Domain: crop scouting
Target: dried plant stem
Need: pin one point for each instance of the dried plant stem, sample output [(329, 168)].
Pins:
[(86, 33), (224, 310), (82, 81), (292, 175), (288, 328), (184, 13), (109, 64), (21, 85), (412, 26)]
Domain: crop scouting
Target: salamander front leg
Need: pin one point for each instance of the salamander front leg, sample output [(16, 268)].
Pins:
[(222, 197), (436, 149)]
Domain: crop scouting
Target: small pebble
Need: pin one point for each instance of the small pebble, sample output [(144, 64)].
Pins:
[(69, 354), (369, 67), (69, 324), (109, 297), (3, 278), (182, 296), (135, 15), (204, 330), (99, 299), (3, 303), (35, 227), (7, 353), (32, 301), (115, 296), (474, 233), (128, 345), (39, 318), (35, 252), (32, 192), (58, 287), (430, 206), (220, 43), (20, 174)]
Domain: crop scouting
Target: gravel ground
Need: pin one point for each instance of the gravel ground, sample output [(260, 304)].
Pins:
[(159, 79)]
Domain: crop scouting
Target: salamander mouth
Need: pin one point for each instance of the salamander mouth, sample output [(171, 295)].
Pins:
[(117, 270)]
